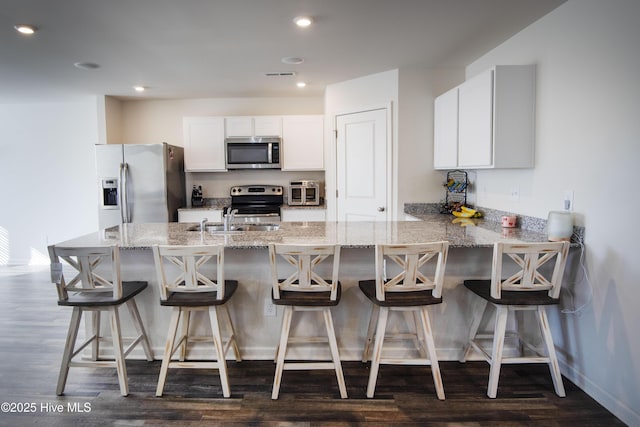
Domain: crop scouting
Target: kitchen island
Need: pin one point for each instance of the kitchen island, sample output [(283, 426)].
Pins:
[(246, 260)]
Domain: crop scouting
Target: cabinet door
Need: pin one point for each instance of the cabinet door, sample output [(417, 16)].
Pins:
[(303, 142), (303, 215), (445, 130), (196, 215), (267, 126), (203, 144), (238, 126), (475, 131)]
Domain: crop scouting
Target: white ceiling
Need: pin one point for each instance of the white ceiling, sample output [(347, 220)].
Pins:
[(222, 48)]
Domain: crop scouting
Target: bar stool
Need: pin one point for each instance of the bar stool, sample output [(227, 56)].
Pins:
[(185, 288), (305, 290), (529, 288), (96, 289), (412, 289)]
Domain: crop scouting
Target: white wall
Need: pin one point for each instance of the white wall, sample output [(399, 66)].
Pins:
[(374, 91), (587, 140), (418, 86), (152, 121), (47, 168)]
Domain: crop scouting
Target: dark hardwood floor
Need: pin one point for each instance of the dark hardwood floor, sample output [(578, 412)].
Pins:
[(32, 336)]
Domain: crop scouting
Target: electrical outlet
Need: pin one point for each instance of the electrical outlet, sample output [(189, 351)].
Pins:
[(514, 194), (269, 308), (567, 200)]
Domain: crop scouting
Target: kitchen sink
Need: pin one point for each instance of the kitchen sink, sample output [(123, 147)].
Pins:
[(256, 227), (235, 228)]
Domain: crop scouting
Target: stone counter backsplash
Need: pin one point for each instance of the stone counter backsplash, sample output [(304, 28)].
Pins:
[(524, 222)]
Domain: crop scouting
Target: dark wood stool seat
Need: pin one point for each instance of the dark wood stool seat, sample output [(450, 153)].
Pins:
[(308, 299), (398, 299), (104, 299), (200, 299), (482, 288)]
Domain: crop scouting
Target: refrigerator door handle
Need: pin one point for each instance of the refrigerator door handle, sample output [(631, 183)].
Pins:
[(124, 205)]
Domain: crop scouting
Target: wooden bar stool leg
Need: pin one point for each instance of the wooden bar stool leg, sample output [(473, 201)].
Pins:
[(95, 325), (498, 347), (234, 342), (335, 355), (370, 330), (137, 323), (556, 376), (420, 339), (478, 315), (168, 349), (377, 350), (431, 350), (282, 350), (72, 335), (186, 321), (217, 342), (116, 336)]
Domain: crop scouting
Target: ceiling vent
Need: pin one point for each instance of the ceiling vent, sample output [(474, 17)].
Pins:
[(281, 74)]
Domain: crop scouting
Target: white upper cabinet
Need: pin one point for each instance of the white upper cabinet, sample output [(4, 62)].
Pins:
[(445, 130), (247, 126), (495, 116), (303, 142), (203, 139), (475, 113)]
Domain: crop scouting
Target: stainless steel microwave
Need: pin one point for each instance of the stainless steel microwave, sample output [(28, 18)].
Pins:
[(253, 153)]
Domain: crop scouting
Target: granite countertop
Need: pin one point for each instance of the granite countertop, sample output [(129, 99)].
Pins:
[(433, 227)]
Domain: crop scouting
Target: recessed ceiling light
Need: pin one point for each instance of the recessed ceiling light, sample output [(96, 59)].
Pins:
[(301, 84), (139, 88), (303, 21), (86, 65), (25, 29), (293, 60)]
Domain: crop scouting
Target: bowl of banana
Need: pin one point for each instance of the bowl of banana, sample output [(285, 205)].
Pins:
[(464, 216)]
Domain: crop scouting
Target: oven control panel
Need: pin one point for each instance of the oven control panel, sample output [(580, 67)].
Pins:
[(256, 190)]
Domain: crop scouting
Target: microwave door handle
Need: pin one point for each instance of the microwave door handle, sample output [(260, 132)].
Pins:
[(270, 152)]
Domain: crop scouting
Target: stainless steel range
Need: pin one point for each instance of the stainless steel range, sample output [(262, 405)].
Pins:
[(256, 203)]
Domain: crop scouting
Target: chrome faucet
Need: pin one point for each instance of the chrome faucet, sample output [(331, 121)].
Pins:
[(202, 222), (228, 218)]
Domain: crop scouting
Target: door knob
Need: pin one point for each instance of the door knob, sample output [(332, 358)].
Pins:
[(381, 209)]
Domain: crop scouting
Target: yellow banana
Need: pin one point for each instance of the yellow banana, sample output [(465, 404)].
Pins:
[(463, 214), (468, 210), (463, 222)]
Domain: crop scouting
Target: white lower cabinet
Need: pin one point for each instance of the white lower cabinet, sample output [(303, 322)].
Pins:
[(196, 215), (303, 214)]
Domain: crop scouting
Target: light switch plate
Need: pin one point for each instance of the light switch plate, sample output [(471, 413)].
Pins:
[(514, 194)]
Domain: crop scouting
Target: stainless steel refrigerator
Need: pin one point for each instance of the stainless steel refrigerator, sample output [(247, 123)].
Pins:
[(139, 183)]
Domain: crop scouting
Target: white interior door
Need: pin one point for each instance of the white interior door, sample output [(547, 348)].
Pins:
[(362, 166)]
